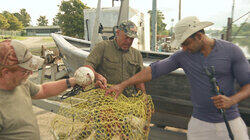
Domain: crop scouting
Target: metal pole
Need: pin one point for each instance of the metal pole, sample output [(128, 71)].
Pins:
[(216, 87), (172, 26), (124, 11), (154, 25), (179, 10), (95, 35), (232, 13), (229, 29)]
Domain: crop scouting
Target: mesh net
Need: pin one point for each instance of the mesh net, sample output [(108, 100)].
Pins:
[(92, 115)]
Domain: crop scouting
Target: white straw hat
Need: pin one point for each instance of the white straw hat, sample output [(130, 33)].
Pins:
[(186, 27)]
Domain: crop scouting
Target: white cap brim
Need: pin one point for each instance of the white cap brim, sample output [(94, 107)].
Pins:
[(33, 64)]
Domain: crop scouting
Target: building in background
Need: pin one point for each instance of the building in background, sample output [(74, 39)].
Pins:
[(41, 30)]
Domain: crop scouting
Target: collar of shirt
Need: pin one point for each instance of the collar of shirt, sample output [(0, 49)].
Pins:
[(119, 48)]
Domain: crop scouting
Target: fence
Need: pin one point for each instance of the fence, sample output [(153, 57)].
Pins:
[(10, 33)]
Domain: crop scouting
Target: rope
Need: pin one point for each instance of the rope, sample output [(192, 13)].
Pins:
[(92, 115)]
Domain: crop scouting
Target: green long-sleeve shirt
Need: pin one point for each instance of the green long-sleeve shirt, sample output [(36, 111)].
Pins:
[(115, 65)]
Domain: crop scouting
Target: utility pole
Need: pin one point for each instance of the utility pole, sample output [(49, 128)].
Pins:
[(123, 12), (232, 13), (153, 26), (230, 24), (229, 29), (113, 3), (95, 35), (172, 26), (179, 10)]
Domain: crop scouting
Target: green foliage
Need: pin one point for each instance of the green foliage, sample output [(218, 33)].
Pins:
[(42, 21), (24, 17), (14, 37), (240, 34), (242, 30), (23, 33), (71, 18), (55, 21), (4, 22), (14, 23), (161, 26)]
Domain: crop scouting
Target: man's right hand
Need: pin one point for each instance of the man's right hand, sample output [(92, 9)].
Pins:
[(101, 81), (115, 88)]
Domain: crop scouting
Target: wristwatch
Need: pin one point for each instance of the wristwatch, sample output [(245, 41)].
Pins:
[(68, 83)]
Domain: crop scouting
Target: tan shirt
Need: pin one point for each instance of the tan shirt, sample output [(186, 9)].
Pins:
[(115, 65), (17, 120)]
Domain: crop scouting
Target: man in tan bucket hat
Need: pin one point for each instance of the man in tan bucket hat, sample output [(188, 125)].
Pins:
[(186, 27), (199, 52), (17, 120)]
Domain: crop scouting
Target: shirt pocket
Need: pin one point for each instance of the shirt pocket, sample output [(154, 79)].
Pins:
[(222, 66), (110, 62), (133, 67)]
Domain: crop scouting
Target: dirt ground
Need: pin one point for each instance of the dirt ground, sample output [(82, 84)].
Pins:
[(37, 42)]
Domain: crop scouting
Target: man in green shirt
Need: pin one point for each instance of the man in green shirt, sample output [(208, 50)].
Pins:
[(115, 60), (17, 120)]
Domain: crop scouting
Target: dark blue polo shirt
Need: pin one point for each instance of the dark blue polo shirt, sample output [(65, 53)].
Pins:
[(230, 64)]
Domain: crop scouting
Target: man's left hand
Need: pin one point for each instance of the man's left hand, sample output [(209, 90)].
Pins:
[(115, 88), (222, 101), (101, 81)]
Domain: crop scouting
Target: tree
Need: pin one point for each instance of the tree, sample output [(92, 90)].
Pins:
[(55, 21), (14, 23), (24, 17), (242, 30), (42, 21), (161, 26), (71, 18), (4, 22)]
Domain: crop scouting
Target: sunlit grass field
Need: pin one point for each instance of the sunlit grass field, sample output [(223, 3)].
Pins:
[(14, 37)]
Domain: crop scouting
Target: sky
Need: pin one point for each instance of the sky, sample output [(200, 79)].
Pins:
[(216, 11)]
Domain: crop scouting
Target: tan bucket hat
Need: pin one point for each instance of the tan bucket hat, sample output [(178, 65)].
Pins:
[(13, 52), (186, 27)]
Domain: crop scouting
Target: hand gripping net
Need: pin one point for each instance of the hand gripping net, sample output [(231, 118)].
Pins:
[(93, 116)]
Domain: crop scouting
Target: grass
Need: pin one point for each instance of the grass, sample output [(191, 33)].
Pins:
[(37, 51), (48, 39), (15, 37), (45, 39)]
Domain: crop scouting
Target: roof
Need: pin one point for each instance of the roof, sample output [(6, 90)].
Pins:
[(42, 27)]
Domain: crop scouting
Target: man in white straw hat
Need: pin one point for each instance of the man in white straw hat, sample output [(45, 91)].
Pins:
[(199, 52), (17, 120)]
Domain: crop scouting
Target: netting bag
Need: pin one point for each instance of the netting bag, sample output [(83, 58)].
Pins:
[(93, 116)]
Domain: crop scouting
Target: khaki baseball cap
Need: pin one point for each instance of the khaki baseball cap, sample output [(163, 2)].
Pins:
[(129, 28), (13, 52), (186, 27)]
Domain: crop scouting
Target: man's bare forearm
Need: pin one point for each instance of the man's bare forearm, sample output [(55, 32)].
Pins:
[(53, 88), (141, 77), (242, 94)]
